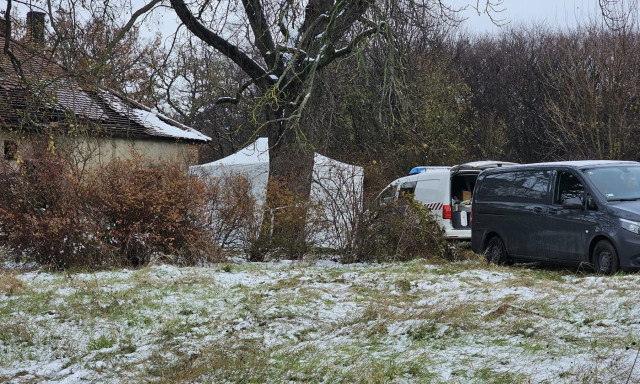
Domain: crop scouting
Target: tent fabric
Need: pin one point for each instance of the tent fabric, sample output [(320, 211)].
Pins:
[(336, 187), (252, 161), (256, 152)]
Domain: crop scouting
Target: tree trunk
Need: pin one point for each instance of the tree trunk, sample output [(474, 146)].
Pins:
[(283, 228)]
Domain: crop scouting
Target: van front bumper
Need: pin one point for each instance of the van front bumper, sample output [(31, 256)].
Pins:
[(628, 247)]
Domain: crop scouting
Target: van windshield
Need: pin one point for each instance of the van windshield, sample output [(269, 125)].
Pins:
[(621, 183)]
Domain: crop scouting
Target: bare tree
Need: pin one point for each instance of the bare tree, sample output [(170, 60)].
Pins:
[(505, 76), (593, 95), (194, 78), (81, 46)]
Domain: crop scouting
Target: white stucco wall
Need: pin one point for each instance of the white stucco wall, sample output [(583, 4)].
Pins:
[(95, 151)]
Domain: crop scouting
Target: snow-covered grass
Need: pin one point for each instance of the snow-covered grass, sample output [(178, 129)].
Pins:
[(319, 321)]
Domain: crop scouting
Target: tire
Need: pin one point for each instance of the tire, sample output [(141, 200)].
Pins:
[(605, 258), (496, 252)]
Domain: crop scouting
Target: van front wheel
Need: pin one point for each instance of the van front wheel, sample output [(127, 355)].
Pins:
[(605, 258), (496, 252)]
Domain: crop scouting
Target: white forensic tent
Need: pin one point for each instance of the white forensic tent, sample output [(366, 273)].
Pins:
[(336, 188)]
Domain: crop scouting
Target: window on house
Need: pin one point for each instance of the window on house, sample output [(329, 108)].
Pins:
[(10, 150)]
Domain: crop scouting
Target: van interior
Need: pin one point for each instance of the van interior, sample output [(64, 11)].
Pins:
[(462, 184)]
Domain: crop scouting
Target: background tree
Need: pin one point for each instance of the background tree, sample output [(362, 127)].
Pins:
[(593, 94), (422, 121), (189, 87), (87, 48), (504, 75), (543, 95)]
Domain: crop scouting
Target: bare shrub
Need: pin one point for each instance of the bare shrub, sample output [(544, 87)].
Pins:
[(231, 210), (336, 195), (401, 230), (235, 211), (284, 231)]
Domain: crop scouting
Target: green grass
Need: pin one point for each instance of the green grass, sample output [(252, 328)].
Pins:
[(101, 342), (464, 322)]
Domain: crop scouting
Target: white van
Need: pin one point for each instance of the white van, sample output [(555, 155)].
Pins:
[(446, 191)]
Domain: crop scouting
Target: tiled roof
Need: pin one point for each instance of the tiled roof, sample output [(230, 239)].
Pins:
[(55, 95)]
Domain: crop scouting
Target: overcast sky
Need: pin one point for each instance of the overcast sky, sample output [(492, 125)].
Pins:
[(555, 13)]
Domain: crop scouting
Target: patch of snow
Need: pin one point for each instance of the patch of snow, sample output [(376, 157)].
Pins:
[(319, 304), (155, 122)]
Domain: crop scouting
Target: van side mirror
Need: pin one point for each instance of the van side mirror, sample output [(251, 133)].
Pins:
[(573, 203)]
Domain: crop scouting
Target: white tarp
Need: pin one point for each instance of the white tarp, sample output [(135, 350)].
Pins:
[(336, 187)]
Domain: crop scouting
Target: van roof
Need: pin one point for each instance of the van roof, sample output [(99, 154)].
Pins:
[(425, 168), (481, 165), (473, 165), (577, 164)]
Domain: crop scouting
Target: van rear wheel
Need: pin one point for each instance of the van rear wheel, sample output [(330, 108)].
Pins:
[(605, 258), (496, 252)]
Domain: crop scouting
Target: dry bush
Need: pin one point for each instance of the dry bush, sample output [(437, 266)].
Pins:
[(149, 209), (43, 211), (327, 219), (122, 214), (401, 230), (231, 211), (336, 195)]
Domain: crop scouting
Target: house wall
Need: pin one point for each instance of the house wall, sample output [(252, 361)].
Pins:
[(99, 151), (91, 152)]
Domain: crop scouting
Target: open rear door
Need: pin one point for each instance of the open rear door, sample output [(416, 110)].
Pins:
[(463, 181)]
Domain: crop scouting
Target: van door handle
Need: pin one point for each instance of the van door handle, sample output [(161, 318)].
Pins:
[(537, 209), (553, 211)]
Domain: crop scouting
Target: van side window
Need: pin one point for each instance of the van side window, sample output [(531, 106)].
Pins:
[(497, 187), (532, 186), (387, 195), (408, 188), (567, 186)]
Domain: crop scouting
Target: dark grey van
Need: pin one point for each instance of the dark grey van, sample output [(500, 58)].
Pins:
[(565, 212)]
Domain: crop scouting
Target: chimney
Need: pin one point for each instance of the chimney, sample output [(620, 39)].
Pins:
[(3, 27), (35, 27)]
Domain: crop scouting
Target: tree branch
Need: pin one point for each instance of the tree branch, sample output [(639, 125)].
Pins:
[(345, 15), (248, 65), (316, 18), (332, 55), (235, 100), (313, 13), (17, 66), (121, 33), (258, 22)]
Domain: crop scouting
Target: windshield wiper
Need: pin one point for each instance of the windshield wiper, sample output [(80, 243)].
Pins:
[(626, 199)]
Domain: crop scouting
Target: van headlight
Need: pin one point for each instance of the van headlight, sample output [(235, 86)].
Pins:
[(631, 226)]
